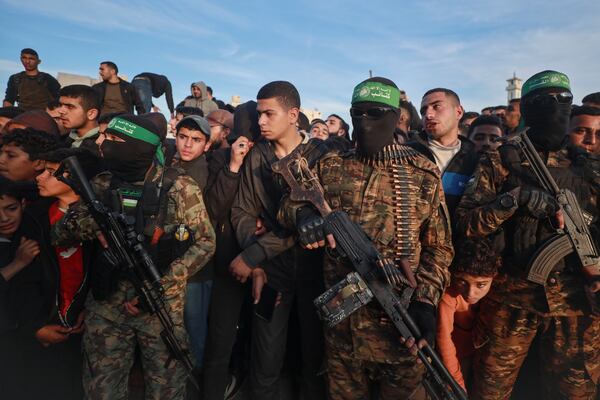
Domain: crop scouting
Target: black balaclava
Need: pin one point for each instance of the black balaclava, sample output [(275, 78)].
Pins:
[(547, 119), (131, 159), (373, 134)]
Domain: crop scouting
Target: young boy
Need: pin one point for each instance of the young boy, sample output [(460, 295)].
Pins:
[(19, 150), (473, 270)]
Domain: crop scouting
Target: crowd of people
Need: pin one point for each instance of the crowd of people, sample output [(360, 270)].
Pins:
[(445, 196)]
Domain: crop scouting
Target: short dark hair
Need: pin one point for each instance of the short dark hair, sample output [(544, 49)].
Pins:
[(585, 110), (86, 95), (344, 124), (11, 189), (112, 65), (88, 161), (284, 91), (484, 109), (31, 141), (30, 51), (317, 121), (515, 100), (303, 122), (476, 257), (485, 120), (105, 118), (448, 92), (11, 112), (592, 98), (499, 108), (468, 115), (53, 104), (189, 111), (209, 90)]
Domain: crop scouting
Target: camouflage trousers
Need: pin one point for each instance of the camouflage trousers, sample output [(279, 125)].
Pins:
[(348, 378), (109, 348), (569, 352)]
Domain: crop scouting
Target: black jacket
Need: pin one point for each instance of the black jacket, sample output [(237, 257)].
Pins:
[(259, 196), (160, 85), (30, 299), (128, 93), (457, 173)]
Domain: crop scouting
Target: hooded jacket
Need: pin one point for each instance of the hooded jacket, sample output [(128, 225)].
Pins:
[(204, 103)]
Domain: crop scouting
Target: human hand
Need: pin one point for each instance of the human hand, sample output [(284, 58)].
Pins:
[(79, 325), (131, 307), (239, 269), (259, 279), (538, 203), (261, 229), (423, 314), (52, 334), (28, 249), (239, 149)]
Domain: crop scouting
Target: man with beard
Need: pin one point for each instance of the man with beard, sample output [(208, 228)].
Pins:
[(441, 143), (484, 132), (221, 124), (584, 129), (504, 194), (409, 224), (169, 213)]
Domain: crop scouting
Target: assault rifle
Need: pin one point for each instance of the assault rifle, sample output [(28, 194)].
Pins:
[(574, 238), (126, 250), (372, 276)]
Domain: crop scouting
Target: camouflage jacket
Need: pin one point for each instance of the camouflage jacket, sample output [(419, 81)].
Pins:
[(185, 206), (365, 191), (480, 213)]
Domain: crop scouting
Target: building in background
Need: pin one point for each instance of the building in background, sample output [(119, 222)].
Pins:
[(311, 114), (513, 89)]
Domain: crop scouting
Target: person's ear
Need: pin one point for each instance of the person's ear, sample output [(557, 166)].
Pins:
[(293, 114), (39, 61), (460, 111), (207, 146), (92, 114)]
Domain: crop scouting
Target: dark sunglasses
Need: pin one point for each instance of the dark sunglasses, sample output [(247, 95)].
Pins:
[(373, 112), (560, 98)]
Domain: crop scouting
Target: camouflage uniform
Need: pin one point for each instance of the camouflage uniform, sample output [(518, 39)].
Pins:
[(111, 334), (366, 345), (516, 310)]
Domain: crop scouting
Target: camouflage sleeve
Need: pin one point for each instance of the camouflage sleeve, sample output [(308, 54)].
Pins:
[(186, 197), (436, 251), (77, 224), (479, 212)]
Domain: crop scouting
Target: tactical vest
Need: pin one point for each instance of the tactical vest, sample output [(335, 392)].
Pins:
[(524, 233), (32, 94), (147, 205)]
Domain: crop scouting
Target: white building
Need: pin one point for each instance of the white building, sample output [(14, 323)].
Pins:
[(513, 89)]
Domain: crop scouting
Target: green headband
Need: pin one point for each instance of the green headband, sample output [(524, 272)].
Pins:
[(546, 79), (135, 131), (376, 92)]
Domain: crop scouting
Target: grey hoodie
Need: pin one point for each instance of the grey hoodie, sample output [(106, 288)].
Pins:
[(204, 103)]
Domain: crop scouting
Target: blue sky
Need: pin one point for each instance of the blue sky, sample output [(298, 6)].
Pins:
[(324, 47)]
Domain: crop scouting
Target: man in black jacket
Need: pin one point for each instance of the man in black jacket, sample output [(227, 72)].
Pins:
[(148, 85), (31, 88), (116, 95), (274, 256), (440, 141)]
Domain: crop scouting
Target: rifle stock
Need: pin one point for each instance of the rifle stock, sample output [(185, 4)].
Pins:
[(364, 256)]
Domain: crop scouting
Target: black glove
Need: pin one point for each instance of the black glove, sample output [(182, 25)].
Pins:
[(424, 316), (311, 226), (538, 203)]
